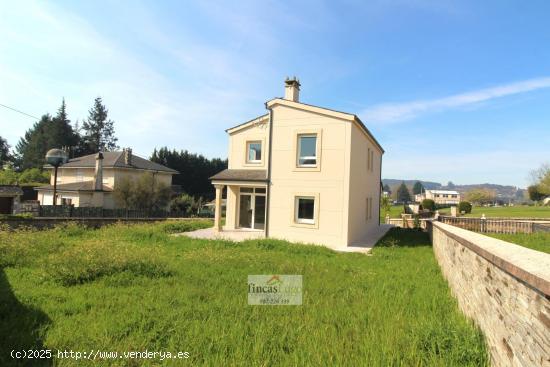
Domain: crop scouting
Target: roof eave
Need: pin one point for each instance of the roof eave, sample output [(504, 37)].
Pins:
[(245, 124)]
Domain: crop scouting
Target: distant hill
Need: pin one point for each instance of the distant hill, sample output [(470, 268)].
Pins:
[(504, 192), (427, 184)]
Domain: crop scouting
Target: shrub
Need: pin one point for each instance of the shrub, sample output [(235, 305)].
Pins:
[(428, 204), (34, 175), (184, 203), (184, 225), (465, 207)]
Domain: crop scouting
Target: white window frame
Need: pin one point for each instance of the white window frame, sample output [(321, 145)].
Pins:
[(305, 223), (299, 155), (255, 161), (297, 210), (317, 133)]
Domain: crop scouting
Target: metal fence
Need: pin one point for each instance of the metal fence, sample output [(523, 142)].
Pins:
[(69, 211), (497, 225)]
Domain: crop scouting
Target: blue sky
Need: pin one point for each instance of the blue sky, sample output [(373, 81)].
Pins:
[(452, 90)]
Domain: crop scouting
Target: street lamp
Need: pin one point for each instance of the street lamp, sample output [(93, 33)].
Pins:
[(56, 157)]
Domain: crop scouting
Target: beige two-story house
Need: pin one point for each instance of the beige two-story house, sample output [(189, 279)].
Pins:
[(89, 180), (302, 173)]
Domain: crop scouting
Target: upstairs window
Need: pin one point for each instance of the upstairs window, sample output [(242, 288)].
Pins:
[(254, 152), (307, 150)]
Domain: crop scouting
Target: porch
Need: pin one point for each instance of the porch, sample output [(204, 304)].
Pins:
[(245, 203)]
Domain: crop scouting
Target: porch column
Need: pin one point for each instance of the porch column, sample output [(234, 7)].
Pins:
[(218, 212)]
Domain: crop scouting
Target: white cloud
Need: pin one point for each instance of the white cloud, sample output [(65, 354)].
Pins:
[(396, 112), (200, 90)]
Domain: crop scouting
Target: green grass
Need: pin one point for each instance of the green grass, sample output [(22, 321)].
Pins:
[(539, 241), (395, 212), (124, 288), (520, 211)]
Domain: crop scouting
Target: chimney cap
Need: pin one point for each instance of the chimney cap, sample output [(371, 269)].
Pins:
[(99, 155), (294, 81)]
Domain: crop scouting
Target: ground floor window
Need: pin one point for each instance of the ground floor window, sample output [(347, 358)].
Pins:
[(66, 201), (304, 211)]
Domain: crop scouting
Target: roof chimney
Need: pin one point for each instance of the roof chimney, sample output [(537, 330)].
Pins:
[(128, 156), (292, 89), (98, 174)]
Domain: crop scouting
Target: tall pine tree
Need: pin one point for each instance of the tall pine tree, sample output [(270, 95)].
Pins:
[(418, 188), (98, 130), (49, 132), (403, 194), (195, 170), (5, 156)]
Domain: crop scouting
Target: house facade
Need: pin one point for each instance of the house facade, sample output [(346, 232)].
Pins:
[(301, 173), (89, 181), (445, 197)]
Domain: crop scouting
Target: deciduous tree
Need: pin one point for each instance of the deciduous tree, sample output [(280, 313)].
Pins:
[(480, 196), (144, 193), (34, 175), (541, 179), (534, 193)]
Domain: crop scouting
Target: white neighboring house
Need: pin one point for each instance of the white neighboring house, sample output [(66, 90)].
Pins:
[(449, 197)]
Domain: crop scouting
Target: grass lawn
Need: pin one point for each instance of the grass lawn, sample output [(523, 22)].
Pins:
[(539, 241), (131, 288), (519, 211), (395, 212)]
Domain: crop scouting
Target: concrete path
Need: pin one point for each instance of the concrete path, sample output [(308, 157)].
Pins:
[(236, 236), (363, 246), (366, 244)]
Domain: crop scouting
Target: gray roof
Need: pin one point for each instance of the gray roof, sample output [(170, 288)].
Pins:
[(73, 186), (363, 126), (241, 175), (10, 190), (116, 160)]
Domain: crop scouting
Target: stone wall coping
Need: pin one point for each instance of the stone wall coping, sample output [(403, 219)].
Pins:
[(530, 266), (83, 219)]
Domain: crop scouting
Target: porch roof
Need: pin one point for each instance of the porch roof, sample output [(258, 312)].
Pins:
[(257, 175), (73, 186), (10, 190)]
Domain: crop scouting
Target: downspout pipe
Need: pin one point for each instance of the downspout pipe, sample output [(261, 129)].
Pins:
[(269, 154)]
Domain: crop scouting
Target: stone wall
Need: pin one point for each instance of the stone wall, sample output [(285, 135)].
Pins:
[(45, 223), (503, 287)]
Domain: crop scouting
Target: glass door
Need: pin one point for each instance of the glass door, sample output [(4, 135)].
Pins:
[(252, 207), (245, 211), (259, 212)]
